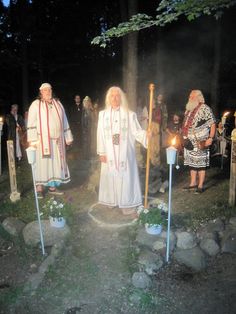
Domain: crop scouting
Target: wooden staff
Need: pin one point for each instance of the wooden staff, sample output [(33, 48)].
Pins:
[(151, 89)]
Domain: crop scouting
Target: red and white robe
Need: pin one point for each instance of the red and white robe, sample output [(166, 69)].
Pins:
[(48, 127)]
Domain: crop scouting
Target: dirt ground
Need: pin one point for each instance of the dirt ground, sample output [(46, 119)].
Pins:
[(93, 273)]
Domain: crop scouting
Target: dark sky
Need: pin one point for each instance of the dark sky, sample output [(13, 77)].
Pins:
[(177, 58)]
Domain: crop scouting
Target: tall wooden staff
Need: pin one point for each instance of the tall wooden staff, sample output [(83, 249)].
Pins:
[(151, 89)]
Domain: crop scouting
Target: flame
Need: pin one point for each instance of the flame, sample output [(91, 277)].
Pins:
[(226, 114), (173, 141)]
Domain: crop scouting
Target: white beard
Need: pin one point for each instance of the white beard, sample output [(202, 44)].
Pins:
[(191, 105)]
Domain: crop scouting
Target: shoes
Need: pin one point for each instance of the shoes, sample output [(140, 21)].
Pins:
[(189, 188), (39, 194), (199, 191), (55, 192)]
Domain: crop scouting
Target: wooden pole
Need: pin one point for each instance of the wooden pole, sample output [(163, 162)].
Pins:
[(151, 90), (15, 195)]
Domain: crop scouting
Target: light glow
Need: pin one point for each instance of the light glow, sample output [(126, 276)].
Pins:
[(173, 141)]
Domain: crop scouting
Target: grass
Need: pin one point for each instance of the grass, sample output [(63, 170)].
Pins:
[(147, 301), (10, 295)]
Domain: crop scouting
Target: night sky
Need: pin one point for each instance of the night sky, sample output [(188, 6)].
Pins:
[(176, 58)]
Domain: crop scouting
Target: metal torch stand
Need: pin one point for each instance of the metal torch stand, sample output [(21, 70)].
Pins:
[(169, 214), (37, 207)]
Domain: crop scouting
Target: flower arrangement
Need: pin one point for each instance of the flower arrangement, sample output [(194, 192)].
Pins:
[(154, 215), (55, 208)]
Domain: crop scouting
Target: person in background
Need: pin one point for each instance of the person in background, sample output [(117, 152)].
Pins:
[(49, 132), (142, 115), (174, 129), (15, 130), (162, 118), (86, 121), (221, 142), (118, 129), (199, 130), (75, 116), (94, 127), (155, 141)]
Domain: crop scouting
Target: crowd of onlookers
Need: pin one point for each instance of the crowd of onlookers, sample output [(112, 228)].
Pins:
[(83, 117)]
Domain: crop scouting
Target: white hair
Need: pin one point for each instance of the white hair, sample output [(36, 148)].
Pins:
[(123, 103), (195, 98)]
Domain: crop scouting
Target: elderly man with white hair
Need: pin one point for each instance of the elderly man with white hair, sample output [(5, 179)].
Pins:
[(118, 128), (49, 132), (198, 133)]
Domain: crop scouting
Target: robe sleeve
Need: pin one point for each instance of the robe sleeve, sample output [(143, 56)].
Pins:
[(32, 135), (139, 134), (101, 149)]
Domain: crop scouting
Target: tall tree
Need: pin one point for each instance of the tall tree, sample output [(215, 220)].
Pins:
[(216, 68), (130, 58)]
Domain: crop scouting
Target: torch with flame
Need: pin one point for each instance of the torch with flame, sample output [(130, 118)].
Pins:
[(1, 123), (223, 119)]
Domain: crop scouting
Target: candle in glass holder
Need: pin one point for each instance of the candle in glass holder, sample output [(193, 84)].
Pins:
[(171, 152), (31, 155)]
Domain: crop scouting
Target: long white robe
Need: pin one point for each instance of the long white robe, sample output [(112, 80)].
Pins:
[(119, 179), (50, 166)]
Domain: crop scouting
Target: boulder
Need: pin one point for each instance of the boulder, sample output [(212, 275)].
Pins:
[(185, 240), (145, 239), (141, 280), (13, 225), (210, 247), (150, 261), (215, 225), (193, 258), (51, 234), (228, 242), (232, 222)]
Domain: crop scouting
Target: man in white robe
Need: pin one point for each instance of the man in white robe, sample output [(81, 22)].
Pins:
[(48, 131), (118, 128)]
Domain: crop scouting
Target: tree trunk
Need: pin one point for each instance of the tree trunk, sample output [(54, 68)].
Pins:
[(130, 62), (24, 75), (160, 68), (216, 69)]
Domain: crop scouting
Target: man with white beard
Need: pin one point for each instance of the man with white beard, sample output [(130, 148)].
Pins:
[(198, 133)]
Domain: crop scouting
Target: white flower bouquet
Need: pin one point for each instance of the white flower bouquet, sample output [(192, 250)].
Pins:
[(55, 208), (155, 214)]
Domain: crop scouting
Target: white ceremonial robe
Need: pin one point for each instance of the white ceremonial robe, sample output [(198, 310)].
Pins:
[(119, 179), (49, 129)]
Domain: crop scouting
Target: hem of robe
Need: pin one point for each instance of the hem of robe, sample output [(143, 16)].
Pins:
[(42, 182), (120, 206)]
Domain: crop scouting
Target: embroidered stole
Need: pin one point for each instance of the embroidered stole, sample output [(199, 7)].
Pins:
[(116, 143)]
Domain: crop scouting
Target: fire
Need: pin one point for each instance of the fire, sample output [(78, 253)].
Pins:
[(173, 141), (226, 114)]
